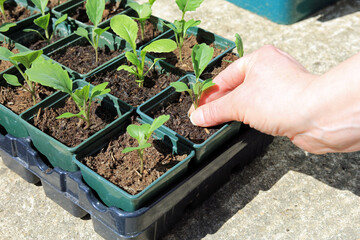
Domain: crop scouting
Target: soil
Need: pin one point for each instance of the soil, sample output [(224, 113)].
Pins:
[(6, 64), (111, 9), (18, 100), (39, 43), (72, 131), (123, 169), (54, 3), (150, 32), (179, 121), (14, 13), (189, 42), (224, 63), (85, 57), (123, 85)]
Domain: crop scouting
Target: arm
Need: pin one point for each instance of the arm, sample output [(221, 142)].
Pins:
[(274, 94)]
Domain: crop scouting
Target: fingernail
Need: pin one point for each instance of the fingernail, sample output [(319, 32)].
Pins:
[(197, 118)]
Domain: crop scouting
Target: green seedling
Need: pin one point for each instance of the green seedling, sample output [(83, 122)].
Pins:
[(239, 45), (2, 9), (26, 59), (94, 10), (142, 134), (181, 26), (201, 55), (127, 29), (52, 75), (44, 20), (6, 26), (144, 12)]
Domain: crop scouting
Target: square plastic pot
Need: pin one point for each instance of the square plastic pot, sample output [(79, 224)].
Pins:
[(207, 37), (58, 154), (114, 196), (71, 6), (107, 40), (160, 66), (206, 148), (283, 11)]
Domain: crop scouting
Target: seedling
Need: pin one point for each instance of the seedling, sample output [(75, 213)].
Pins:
[(239, 45), (44, 20), (6, 26), (94, 10), (144, 12), (26, 59), (201, 55), (2, 9), (52, 75), (180, 27), (142, 134), (127, 29)]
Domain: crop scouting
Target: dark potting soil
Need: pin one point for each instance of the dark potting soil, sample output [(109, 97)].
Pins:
[(186, 65), (14, 12), (54, 3), (180, 122), (6, 64), (150, 32), (82, 58), (111, 9), (123, 169), (18, 100), (39, 43), (71, 131), (224, 63), (123, 85)]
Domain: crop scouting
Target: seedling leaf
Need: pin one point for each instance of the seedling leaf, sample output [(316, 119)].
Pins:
[(12, 80), (6, 26), (60, 20), (130, 69), (179, 86), (158, 122), (5, 55), (201, 55), (95, 10), (161, 45), (70, 115), (132, 57), (43, 21), (126, 28), (100, 31), (188, 5), (130, 149), (26, 58), (81, 96), (82, 32), (99, 90), (207, 84), (40, 4), (143, 10), (239, 45)]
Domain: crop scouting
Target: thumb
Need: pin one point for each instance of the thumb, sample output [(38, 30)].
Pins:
[(221, 110)]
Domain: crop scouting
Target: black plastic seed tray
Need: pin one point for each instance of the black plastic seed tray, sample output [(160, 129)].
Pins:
[(69, 191)]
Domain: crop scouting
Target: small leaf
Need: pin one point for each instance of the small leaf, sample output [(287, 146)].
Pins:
[(82, 95), (12, 80), (188, 5), (99, 90), (239, 45), (160, 46), (82, 32), (95, 10), (170, 25), (143, 10), (100, 31), (130, 149), (126, 28), (27, 58), (132, 57), (127, 68), (6, 26), (5, 55), (60, 20), (201, 55), (179, 26), (50, 74), (138, 132), (151, 2), (70, 115), (190, 23), (158, 122), (207, 84), (180, 86), (32, 30), (43, 21), (41, 5)]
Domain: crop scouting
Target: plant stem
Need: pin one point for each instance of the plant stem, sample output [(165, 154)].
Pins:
[(141, 155), (142, 25), (3, 12)]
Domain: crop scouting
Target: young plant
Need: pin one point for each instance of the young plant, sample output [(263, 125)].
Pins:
[(181, 26), (26, 59), (44, 20), (239, 45), (142, 134), (201, 55), (6, 26), (2, 9), (94, 10), (52, 75), (144, 12), (127, 29)]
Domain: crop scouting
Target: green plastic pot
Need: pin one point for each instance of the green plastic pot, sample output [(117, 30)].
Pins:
[(107, 40), (160, 67), (206, 148), (71, 6), (114, 196), (58, 154), (207, 37)]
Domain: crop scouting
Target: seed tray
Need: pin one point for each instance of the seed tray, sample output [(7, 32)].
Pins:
[(151, 222)]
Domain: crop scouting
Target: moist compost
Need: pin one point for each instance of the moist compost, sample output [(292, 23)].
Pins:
[(189, 43), (150, 32), (6, 64), (82, 58), (54, 3), (224, 63), (18, 100), (180, 122), (38, 43), (123, 169), (111, 9), (72, 131), (123, 85), (14, 13)]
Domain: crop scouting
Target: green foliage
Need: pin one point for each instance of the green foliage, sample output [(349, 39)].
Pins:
[(41, 4), (94, 10), (142, 134), (25, 58), (6, 25), (201, 55), (52, 75), (2, 9), (239, 45), (143, 11), (181, 26), (127, 29)]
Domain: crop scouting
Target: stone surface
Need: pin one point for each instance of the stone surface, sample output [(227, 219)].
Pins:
[(283, 194)]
